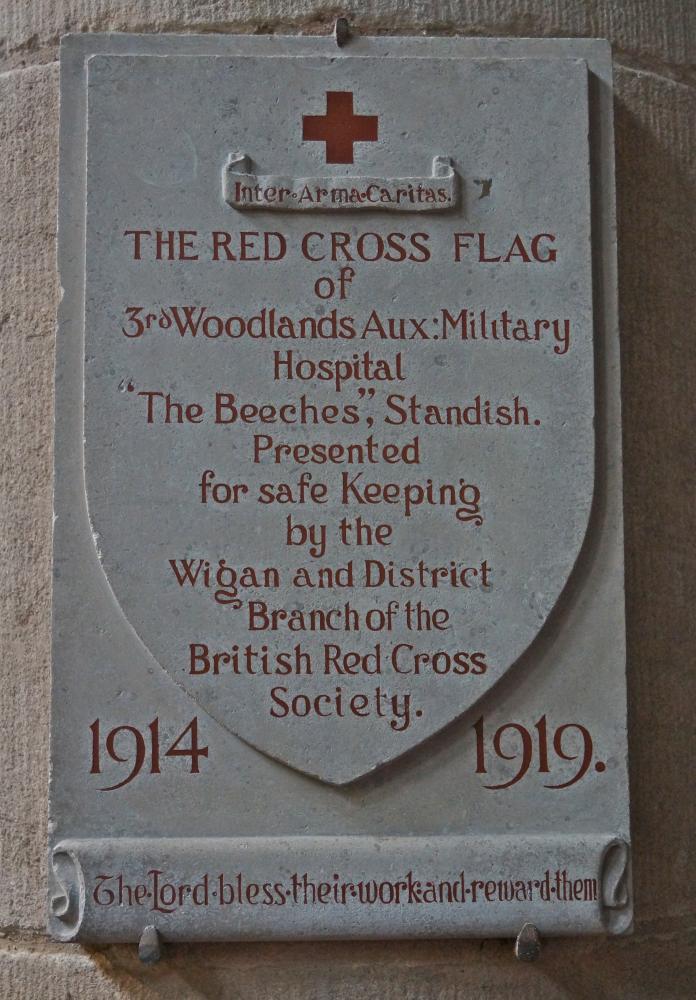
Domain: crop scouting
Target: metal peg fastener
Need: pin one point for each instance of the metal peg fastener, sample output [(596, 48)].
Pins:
[(528, 944), (149, 945), (341, 31)]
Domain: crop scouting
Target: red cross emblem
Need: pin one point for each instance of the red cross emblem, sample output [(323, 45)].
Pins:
[(339, 128)]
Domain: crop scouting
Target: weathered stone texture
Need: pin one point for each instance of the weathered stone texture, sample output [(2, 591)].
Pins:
[(649, 32), (31, 969), (650, 965), (655, 124), (28, 299), (656, 176)]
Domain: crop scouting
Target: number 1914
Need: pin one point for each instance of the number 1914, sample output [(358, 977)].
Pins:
[(141, 750)]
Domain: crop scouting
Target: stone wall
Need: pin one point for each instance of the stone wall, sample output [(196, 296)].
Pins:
[(654, 46)]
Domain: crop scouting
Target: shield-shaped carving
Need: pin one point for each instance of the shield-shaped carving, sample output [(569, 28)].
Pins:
[(333, 564)]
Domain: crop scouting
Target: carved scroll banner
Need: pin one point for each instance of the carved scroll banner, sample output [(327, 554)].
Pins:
[(338, 629), (227, 888), (242, 189)]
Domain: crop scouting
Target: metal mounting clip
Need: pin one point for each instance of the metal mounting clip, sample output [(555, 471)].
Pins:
[(341, 31), (528, 944), (149, 945)]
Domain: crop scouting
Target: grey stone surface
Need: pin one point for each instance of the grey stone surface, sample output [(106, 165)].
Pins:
[(532, 486), (536, 478), (655, 141)]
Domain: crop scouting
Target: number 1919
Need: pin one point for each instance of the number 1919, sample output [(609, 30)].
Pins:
[(524, 744)]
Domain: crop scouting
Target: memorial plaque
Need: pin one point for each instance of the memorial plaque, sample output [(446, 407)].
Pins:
[(338, 591)]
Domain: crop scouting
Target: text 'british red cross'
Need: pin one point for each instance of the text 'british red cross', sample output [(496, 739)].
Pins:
[(339, 128)]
